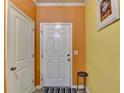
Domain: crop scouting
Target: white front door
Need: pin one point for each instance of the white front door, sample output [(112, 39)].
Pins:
[(57, 54), (20, 53)]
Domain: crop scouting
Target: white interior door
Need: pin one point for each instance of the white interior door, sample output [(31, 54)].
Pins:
[(20, 53), (57, 54)]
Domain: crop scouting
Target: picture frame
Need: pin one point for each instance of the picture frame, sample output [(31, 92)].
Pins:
[(107, 13)]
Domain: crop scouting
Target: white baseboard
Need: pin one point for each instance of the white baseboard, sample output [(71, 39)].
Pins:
[(81, 87), (37, 87), (87, 89)]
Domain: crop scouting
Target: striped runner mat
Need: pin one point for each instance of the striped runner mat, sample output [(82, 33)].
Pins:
[(55, 90)]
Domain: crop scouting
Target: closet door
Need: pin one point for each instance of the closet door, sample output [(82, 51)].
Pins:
[(21, 50)]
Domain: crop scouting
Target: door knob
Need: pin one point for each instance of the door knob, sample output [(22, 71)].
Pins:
[(68, 59), (68, 55), (13, 68)]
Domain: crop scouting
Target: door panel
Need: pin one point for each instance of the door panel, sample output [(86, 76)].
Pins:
[(23, 42), (20, 46), (56, 46), (50, 73)]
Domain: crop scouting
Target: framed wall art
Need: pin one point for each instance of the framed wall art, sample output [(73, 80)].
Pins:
[(107, 12)]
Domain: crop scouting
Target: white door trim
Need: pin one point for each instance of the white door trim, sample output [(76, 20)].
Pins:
[(10, 4), (41, 45)]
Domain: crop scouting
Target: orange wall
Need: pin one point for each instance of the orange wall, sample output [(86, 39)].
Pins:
[(29, 8), (76, 15)]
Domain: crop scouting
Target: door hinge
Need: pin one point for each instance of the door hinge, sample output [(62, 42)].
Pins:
[(42, 31), (32, 55), (33, 29), (41, 55), (42, 80), (33, 80)]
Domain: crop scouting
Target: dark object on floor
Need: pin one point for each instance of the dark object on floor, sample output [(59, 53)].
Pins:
[(83, 75), (55, 90)]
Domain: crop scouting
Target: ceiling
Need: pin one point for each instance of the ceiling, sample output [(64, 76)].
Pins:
[(39, 1)]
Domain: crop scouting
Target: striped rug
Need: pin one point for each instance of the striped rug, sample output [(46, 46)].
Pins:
[(55, 90)]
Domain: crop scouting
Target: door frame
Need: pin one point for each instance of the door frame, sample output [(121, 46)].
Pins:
[(41, 51), (7, 65)]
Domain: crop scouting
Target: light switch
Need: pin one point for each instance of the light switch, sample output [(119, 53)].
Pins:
[(75, 52)]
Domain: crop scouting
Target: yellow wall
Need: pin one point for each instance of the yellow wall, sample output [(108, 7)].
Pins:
[(76, 15), (102, 54)]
